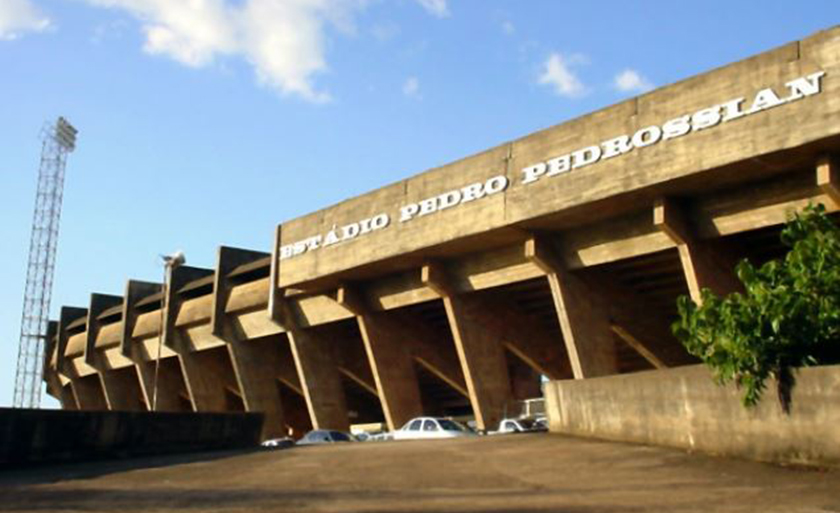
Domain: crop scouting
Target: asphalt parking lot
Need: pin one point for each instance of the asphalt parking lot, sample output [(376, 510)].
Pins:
[(518, 473)]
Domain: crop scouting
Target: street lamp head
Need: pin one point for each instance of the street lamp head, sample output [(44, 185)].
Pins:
[(174, 260)]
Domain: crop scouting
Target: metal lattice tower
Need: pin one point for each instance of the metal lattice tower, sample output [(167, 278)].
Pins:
[(59, 140)]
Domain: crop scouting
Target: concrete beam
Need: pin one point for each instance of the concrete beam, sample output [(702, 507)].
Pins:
[(227, 260), (703, 265), (480, 350), (584, 321), (828, 179), (122, 389), (178, 278), (68, 314)]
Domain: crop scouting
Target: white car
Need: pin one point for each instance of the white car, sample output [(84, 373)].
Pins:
[(518, 426), (431, 427)]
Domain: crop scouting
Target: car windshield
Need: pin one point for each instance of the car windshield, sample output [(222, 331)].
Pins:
[(448, 425), (415, 426)]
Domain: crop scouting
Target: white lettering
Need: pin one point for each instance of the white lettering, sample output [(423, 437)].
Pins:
[(586, 156), (408, 212), (559, 165), (615, 147), (765, 99), (473, 192), (732, 109), (427, 206), (449, 199), (804, 86), (676, 127), (496, 184), (705, 118), (533, 173), (381, 221), (647, 136)]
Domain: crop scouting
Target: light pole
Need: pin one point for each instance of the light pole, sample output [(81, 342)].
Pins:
[(170, 263)]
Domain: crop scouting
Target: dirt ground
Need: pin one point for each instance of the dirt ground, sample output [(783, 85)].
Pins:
[(522, 473)]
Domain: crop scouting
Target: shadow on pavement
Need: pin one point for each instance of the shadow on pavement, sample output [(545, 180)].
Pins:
[(52, 473)]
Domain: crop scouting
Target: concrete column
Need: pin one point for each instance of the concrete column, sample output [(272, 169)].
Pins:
[(395, 342), (393, 368), (584, 319), (68, 398), (480, 351), (134, 292), (89, 393), (316, 366), (210, 380), (320, 380), (172, 393), (255, 364), (122, 389), (704, 265)]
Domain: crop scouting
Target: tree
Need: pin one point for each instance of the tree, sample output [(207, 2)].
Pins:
[(788, 316)]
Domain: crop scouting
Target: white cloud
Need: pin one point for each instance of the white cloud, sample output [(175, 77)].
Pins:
[(411, 87), (19, 16), (284, 40), (557, 73), (508, 28), (631, 80), (385, 31), (435, 7)]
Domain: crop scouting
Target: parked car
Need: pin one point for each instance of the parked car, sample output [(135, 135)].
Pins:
[(325, 436), (278, 443), (431, 427), (519, 426)]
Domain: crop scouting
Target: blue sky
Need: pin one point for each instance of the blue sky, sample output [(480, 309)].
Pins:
[(208, 122)]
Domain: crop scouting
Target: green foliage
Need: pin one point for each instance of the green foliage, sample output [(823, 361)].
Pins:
[(787, 317)]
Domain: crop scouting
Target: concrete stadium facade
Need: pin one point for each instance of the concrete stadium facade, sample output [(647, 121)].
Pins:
[(559, 254)]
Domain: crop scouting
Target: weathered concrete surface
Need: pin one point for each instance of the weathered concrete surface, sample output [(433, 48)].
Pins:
[(522, 474), (39, 436), (684, 408)]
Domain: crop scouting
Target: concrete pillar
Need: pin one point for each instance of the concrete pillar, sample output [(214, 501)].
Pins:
[(255, 363), (320, 379), (68, 398), (89, 393), (122, 389), (480, 351), (210, 380), (704, 265), (393, 368), (134, 292), (583, 318), (395, 342), (172, 394)]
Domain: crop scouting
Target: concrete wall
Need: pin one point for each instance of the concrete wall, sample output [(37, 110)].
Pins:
[(40, 436), (684, 408)]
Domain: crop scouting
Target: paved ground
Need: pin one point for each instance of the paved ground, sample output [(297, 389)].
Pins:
[(527, 473)]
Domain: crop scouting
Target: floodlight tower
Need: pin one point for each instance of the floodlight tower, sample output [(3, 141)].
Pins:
[(59, 140)]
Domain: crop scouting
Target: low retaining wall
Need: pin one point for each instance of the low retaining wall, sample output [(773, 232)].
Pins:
[(684, 408), (36, 436)]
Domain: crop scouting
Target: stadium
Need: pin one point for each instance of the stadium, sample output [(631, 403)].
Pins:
[(457, 291)]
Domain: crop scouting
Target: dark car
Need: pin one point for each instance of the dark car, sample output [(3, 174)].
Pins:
[(324, 436)]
